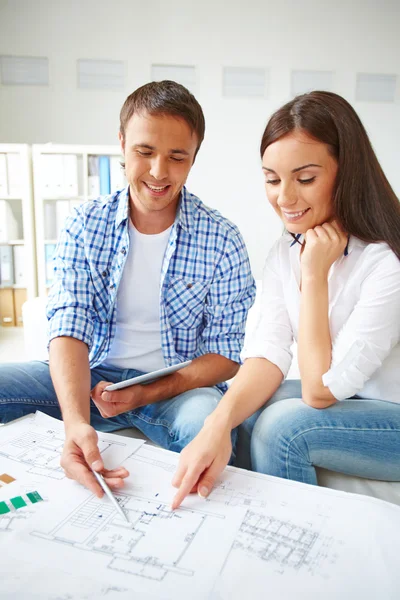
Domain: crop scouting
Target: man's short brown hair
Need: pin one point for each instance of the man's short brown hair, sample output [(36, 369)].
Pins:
[(164, 98)]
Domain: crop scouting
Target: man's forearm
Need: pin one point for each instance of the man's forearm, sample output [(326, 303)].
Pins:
[(204, 371), (70, 373)]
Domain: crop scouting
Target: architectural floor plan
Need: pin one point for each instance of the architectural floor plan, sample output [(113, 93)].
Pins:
[(37, 441), (255, 536), (133, 548)]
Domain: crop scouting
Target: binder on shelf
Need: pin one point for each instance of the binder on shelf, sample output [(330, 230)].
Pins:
[(19, 259), (70, 187), (117, 175), (50, 220), (93, 177), (3, 177), (14, 174), (53, 175), (49, 250), (104, 174), (62, 212), (6, 266), (8, 223), (17, 219)]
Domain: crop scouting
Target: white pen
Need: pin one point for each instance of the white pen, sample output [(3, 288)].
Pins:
[(109, 493)]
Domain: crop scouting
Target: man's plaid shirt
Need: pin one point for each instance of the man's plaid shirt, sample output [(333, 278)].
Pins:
[(206, 283)]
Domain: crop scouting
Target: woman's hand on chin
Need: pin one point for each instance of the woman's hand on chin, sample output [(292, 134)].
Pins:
[(324, 244)]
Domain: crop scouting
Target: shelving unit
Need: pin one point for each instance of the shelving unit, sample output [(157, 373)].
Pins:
[(64, 177), (17, 245)]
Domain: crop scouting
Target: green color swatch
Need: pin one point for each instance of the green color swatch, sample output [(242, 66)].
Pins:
[(4, 508), (18, 502), (34, 497)]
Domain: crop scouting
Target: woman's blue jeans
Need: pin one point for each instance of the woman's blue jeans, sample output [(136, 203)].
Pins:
[(172, 424), (288, 439)]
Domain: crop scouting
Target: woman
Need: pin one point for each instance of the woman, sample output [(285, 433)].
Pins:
[(332, 283)]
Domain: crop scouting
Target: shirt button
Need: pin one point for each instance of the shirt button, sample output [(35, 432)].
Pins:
[(104, 273), (112, 286), (123, 251), (189, 285)]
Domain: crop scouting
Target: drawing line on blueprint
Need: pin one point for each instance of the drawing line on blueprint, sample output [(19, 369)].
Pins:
[(133, 547)]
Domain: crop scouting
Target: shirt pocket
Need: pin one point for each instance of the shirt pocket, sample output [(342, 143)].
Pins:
[(185, 301), (101, 296)]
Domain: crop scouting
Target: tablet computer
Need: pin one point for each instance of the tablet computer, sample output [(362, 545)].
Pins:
[(148, 377)]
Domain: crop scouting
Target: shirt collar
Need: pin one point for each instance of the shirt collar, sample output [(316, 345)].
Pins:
[(349, 246), (123, 206), (184, 214)]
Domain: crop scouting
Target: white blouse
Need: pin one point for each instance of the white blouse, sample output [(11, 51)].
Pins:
[(364, 318)]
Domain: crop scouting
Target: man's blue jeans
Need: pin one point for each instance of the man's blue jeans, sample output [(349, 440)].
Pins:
[(172, 424), (288, 439)]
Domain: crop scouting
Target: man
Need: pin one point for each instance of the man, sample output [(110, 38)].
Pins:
[(144, 278)]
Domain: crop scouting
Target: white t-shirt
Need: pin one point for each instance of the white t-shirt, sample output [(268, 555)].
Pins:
[(364, 318), (137, 341)]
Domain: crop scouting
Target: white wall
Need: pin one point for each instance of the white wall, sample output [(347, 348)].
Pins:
[(345, 37)]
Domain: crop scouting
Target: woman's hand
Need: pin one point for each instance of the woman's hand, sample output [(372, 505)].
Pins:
[(323, 246), (203, 460)]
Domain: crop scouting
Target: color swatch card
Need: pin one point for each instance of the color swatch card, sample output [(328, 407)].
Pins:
[(21, 501), (5, 479)]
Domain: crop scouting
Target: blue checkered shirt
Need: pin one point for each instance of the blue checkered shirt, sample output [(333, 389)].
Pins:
[(206, 283)]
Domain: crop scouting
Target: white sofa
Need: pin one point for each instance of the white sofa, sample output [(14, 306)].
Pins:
[(34, 317)]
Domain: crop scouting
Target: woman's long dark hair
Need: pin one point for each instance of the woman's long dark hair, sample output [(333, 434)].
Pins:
[(364, 202)]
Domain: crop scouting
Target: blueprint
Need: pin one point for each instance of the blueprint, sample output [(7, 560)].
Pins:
[(36, 583), (255, 536), (160, 552), (62, 585), (35, 445)]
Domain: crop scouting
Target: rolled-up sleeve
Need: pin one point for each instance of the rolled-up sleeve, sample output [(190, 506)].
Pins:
[(230, 296), (369, 334), (272, 337), (70, 302)]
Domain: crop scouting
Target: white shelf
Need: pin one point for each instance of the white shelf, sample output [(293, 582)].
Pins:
[(17, 179), (53, 199)]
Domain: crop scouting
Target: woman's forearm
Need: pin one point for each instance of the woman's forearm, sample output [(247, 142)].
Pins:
[(257, 380), (314, 340)]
